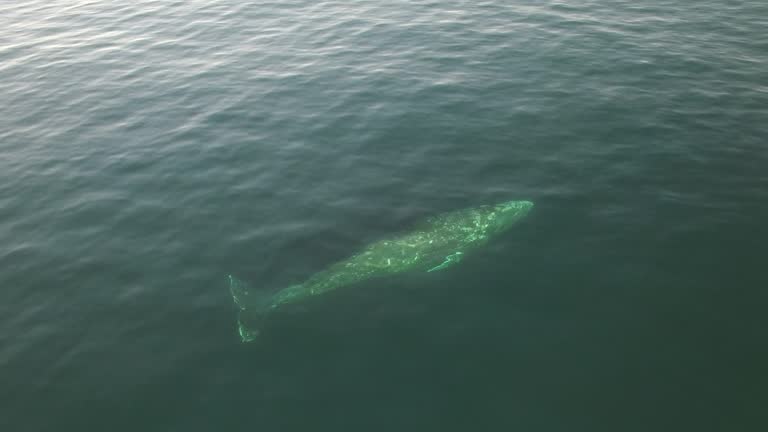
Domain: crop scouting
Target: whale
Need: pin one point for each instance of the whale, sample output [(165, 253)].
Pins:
[(441, 242)]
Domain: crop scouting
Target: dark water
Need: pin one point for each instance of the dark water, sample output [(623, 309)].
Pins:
[(149, 148)]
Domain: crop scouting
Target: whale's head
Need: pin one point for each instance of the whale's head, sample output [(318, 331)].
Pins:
[(508, 213)]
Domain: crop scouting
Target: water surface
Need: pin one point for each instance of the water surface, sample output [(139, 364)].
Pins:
[(149, 148)]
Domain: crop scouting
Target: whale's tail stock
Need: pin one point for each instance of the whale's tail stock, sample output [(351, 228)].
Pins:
[(252, 306)]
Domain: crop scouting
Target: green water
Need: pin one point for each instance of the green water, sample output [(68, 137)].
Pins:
[(148, 149)]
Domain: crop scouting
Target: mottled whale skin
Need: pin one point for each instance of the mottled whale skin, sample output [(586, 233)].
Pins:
[(441, 242)]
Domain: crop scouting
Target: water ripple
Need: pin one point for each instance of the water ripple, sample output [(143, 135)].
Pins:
[(148, 148)]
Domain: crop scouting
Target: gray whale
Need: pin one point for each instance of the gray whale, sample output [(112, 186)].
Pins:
[(442, 242)]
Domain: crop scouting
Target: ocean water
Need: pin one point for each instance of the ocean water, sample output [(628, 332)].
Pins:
[(150, 148)]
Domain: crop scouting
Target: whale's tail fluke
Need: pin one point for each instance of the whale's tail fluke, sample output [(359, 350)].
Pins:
[(252, 309)]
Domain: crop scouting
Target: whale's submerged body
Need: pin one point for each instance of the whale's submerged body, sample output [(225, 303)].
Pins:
[(440, 243)]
